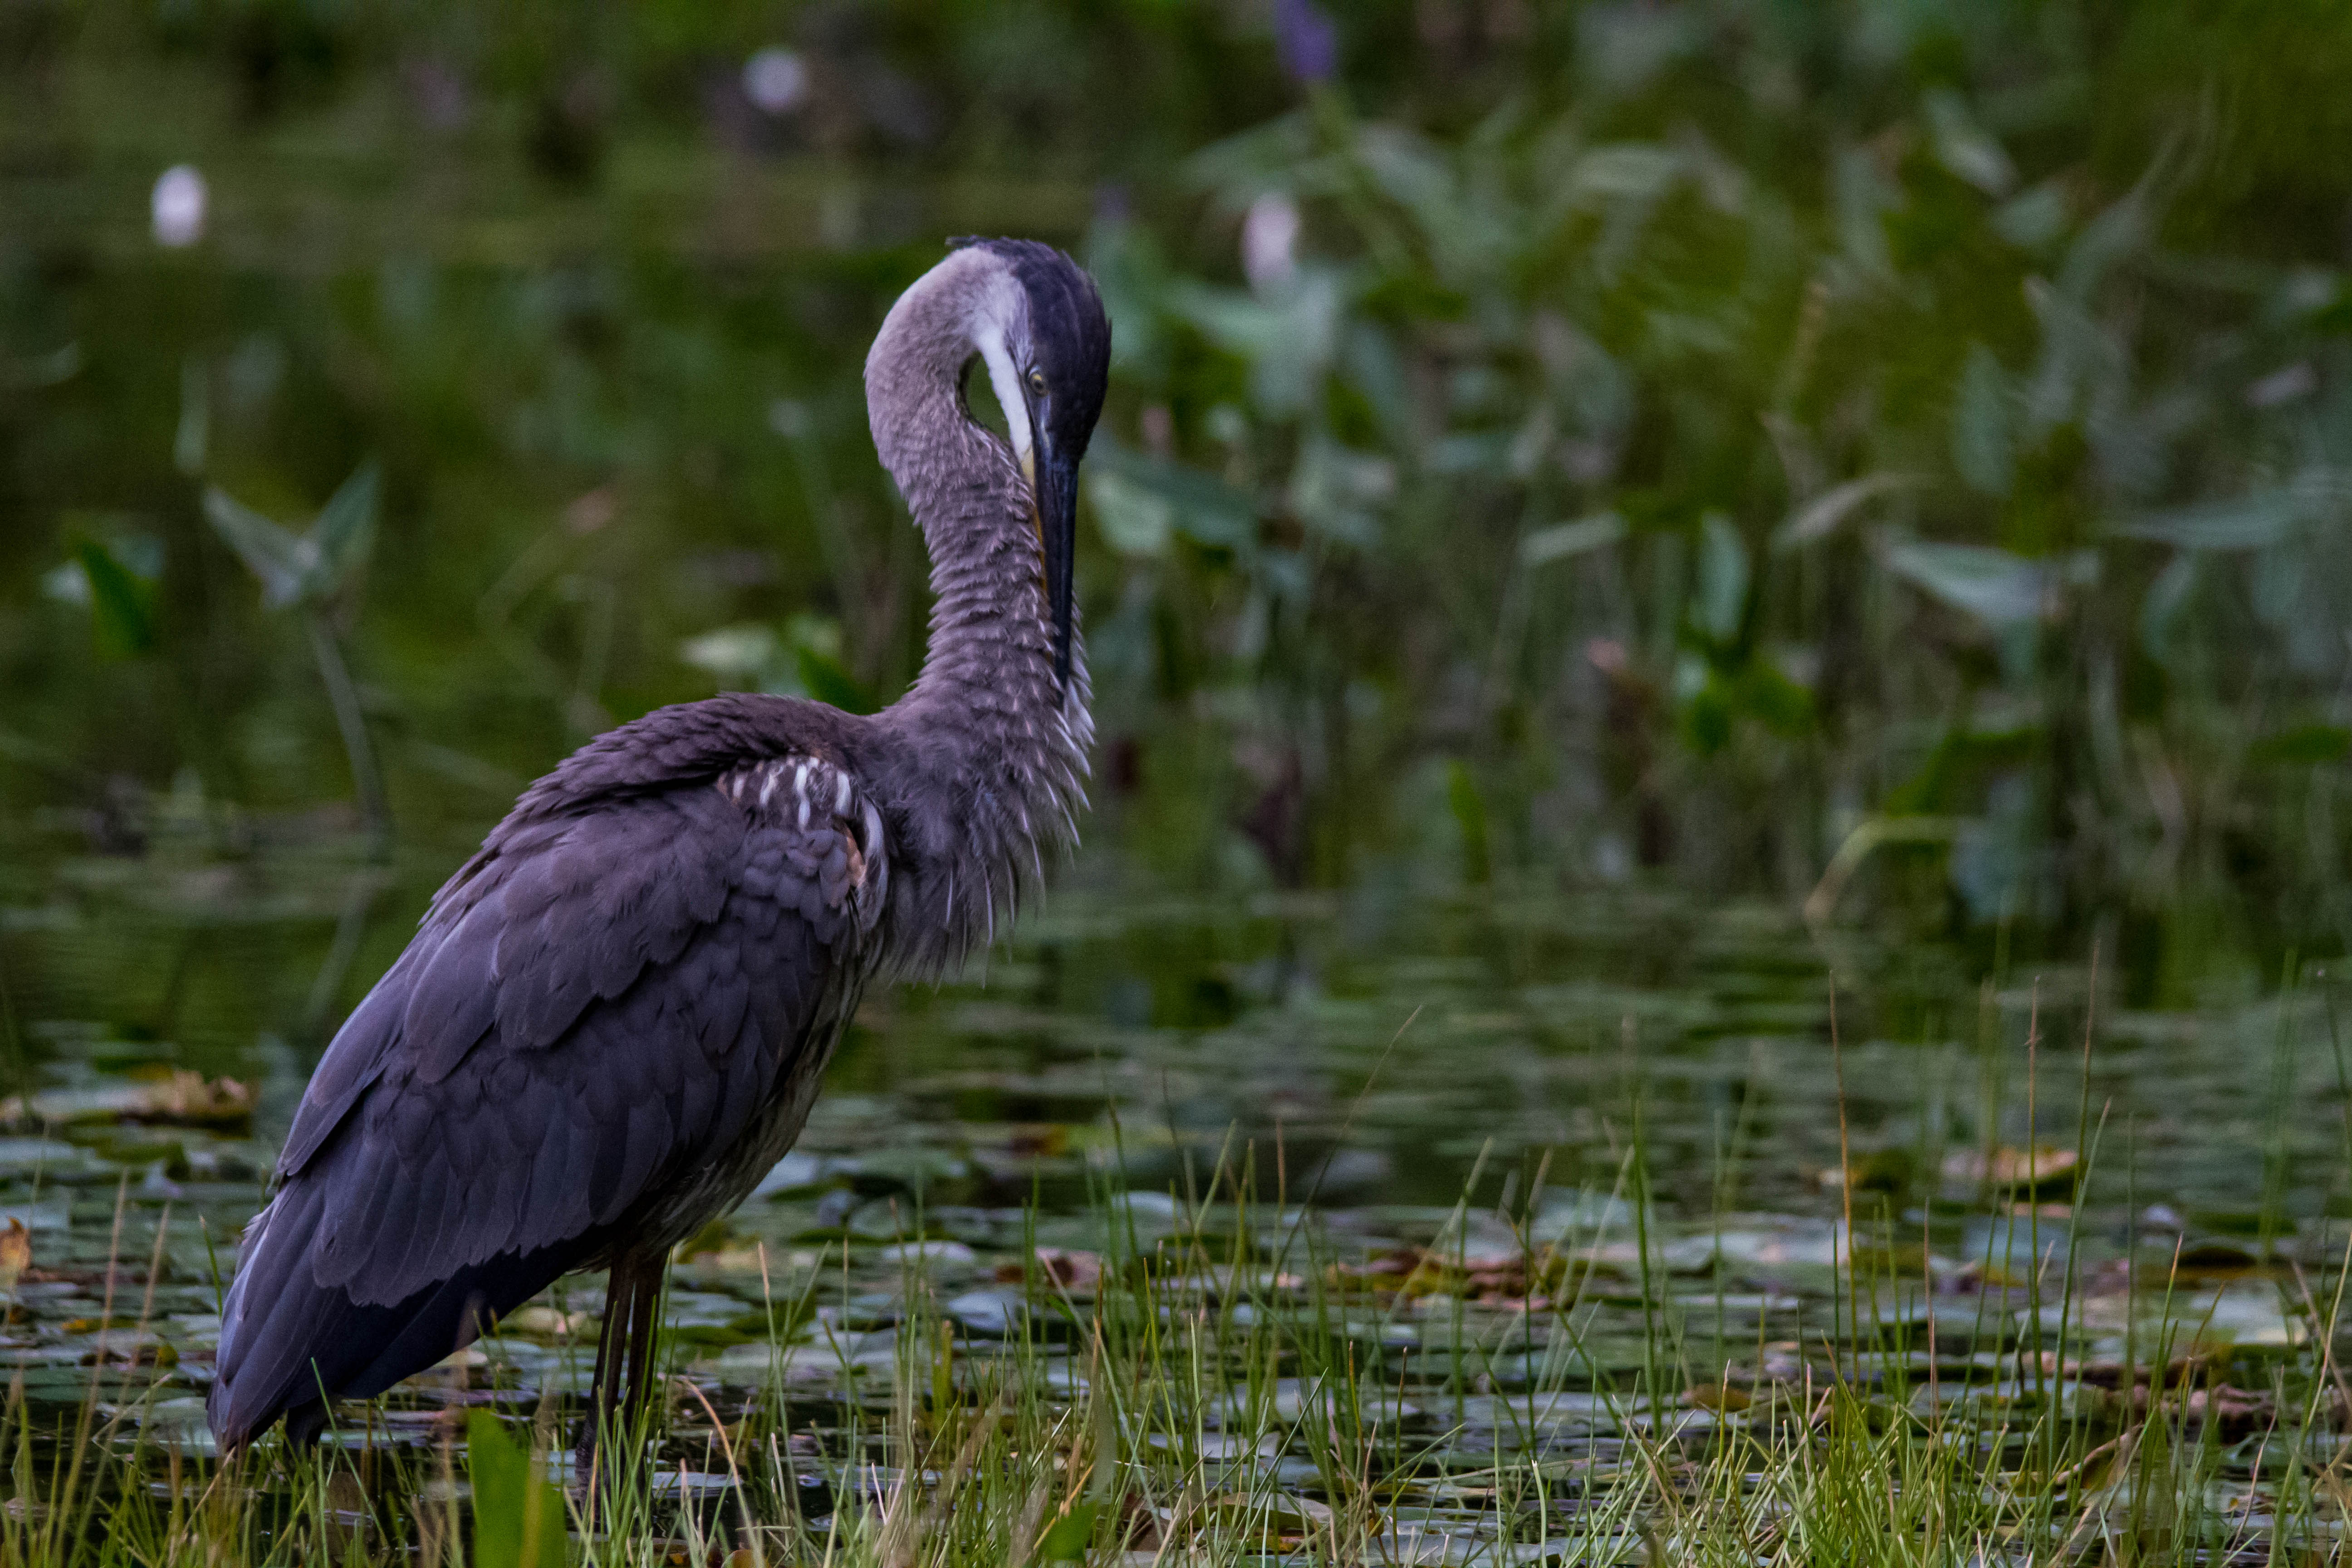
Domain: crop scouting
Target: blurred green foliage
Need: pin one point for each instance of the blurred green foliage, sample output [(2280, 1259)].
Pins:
[(1571, 441)]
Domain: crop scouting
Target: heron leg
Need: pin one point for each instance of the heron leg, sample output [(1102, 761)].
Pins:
[(625, 1347), (645, 1322)]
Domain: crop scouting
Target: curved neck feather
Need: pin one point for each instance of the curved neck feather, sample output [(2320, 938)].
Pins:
[(991, 749)]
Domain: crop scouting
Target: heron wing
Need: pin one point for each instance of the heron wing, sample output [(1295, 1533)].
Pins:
[(556, 914), (600, 1005)]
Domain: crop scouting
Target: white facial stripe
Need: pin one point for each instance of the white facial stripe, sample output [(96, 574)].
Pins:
[(992, 330)]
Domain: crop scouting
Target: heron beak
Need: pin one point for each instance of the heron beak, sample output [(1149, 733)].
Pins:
[(1053, 480)]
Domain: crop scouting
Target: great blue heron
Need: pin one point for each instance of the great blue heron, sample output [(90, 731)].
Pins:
[(613, 1018)]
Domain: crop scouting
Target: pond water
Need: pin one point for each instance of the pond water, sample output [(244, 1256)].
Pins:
[(1544, 1132)]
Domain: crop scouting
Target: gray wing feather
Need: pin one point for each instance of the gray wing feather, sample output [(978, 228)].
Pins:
[(618, 998), (598, 1004)]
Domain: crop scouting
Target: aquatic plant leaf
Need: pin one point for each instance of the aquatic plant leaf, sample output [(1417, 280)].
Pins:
[(1336, 490), (1287, 338), (278, 556), (192, 439), (1562, 541), (827, 679), (2032, 218), (2250, 1314), (1413, 173), (2308, 744), (1965, 147), (731, 651), (2241, 523), (121, 606), (1984, 449), (1722, 601), (2120, 230), (345, 532), (1066, 1539), (1626, 171), (1375, 370), (519, 1515), (1272, 1518), (55, 368), (1468, 805), (1281, 154), (1819, 517), (1762, 691), (2160, 609), (1202, 507), (1995, 586), (1863, 196), (1134, 519), (1621, 49)]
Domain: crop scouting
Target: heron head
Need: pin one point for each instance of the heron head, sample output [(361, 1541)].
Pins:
[(1046, 345)]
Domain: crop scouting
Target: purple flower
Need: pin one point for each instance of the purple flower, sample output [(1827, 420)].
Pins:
[(1307, 40)]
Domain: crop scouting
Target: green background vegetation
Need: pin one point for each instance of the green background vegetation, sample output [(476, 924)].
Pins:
[(1686, 437)]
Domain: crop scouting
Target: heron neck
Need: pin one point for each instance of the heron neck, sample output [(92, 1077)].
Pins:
[(991, 748), (988, 666)]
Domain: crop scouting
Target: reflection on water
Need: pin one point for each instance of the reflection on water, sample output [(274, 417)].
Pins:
[(1369, 1045)]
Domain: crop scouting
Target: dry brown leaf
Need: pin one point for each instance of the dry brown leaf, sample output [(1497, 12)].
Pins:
[(2041, 1169), (169, 1097), (193, 1100), (16, 1253), (1079, 1273), (1718, 1396)]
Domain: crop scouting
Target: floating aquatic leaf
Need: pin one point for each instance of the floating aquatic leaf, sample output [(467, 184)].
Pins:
[(992, 1313), (796, 1173), (2250, 1315), (544, 1322), (175, 1097)]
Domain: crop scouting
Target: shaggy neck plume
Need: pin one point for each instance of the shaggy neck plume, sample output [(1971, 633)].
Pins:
[(990, 743)]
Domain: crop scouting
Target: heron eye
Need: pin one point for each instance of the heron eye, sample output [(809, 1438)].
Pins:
[(1037, 381)]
